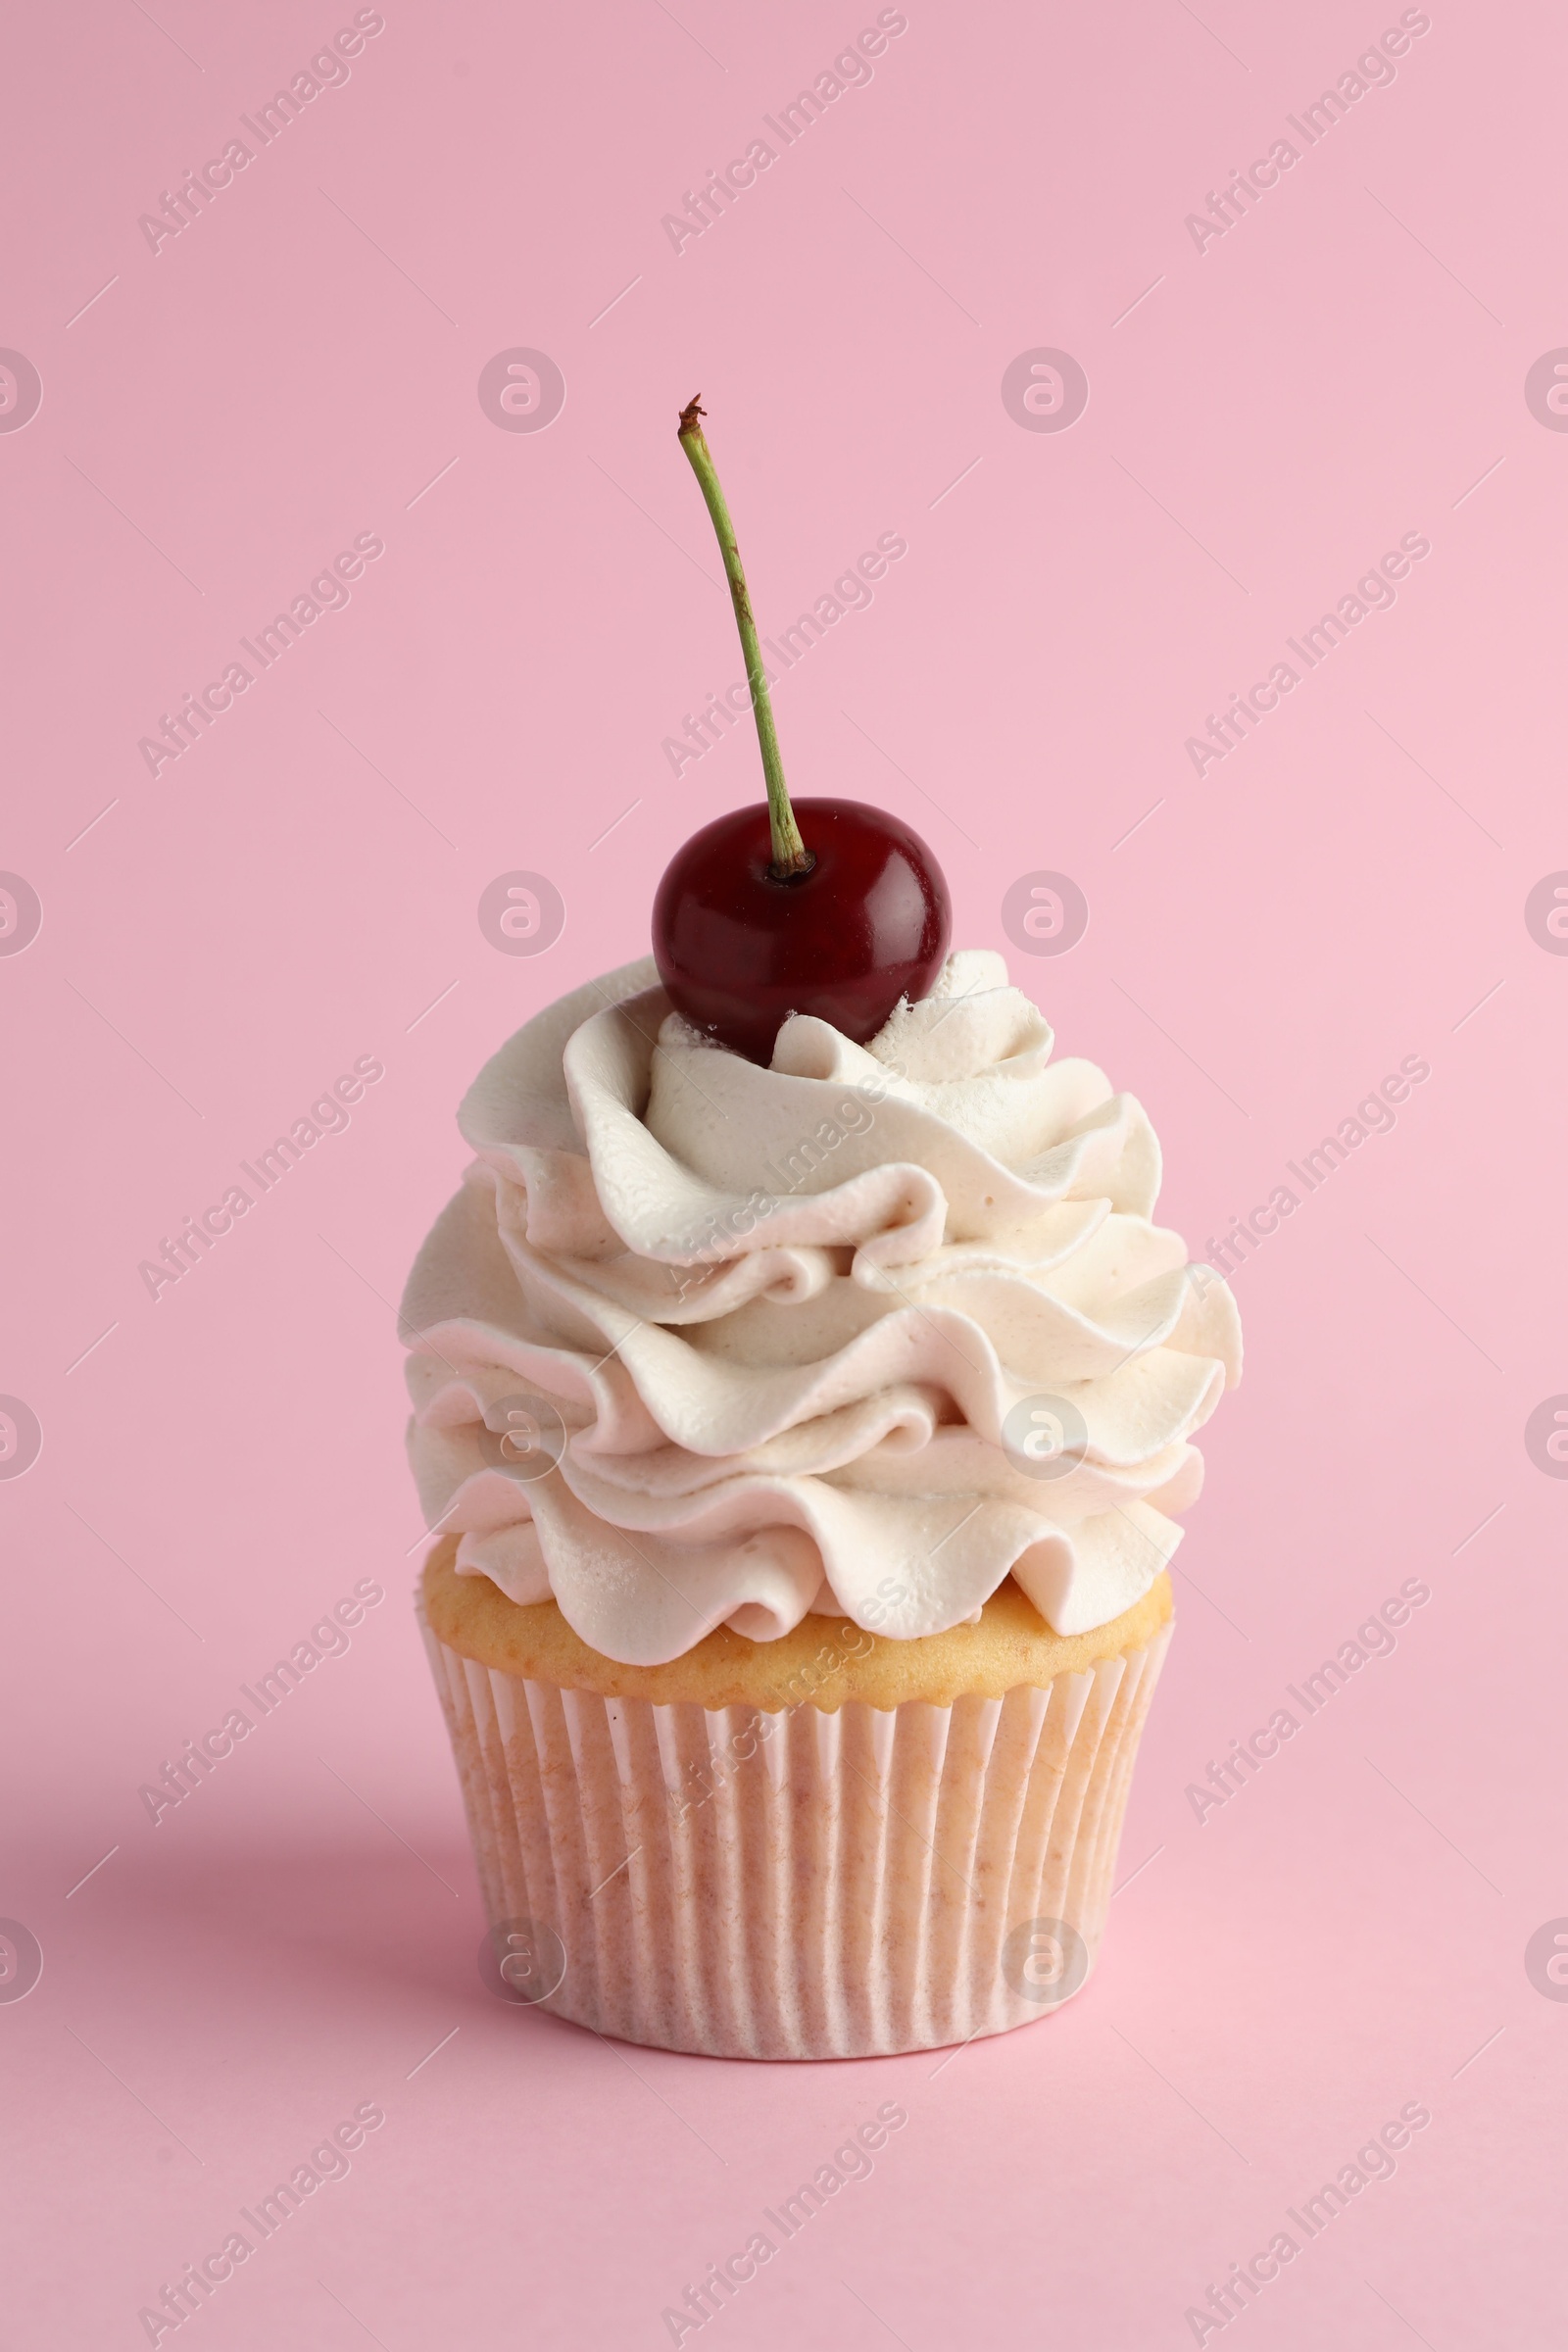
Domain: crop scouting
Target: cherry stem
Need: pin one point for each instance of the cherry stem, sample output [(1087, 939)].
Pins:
[(791, 856)]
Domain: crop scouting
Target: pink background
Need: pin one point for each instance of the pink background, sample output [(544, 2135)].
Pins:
[(1347, 887)]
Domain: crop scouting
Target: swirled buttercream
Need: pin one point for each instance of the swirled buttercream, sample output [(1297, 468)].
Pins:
[(699, 1342)]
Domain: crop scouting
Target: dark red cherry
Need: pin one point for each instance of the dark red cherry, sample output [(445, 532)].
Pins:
[(761, 915), (739, 950)]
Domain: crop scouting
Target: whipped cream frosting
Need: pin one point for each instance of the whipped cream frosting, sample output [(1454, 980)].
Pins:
[(702, 1343)]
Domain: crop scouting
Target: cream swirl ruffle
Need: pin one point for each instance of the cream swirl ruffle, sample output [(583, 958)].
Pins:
[(778, 1321)]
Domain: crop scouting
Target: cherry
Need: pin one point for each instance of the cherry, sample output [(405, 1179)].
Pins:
[(754, 920), (739, 951)]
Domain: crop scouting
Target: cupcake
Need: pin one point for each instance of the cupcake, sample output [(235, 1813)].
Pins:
[(807, 1443), (803, 1401)]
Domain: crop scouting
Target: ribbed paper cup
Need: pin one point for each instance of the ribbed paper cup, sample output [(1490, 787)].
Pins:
[(800, 1881)]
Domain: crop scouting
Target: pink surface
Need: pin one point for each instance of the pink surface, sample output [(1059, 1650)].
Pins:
[(1268, 412)]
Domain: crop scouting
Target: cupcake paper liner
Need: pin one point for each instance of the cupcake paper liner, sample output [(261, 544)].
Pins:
[(796, 1885)]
